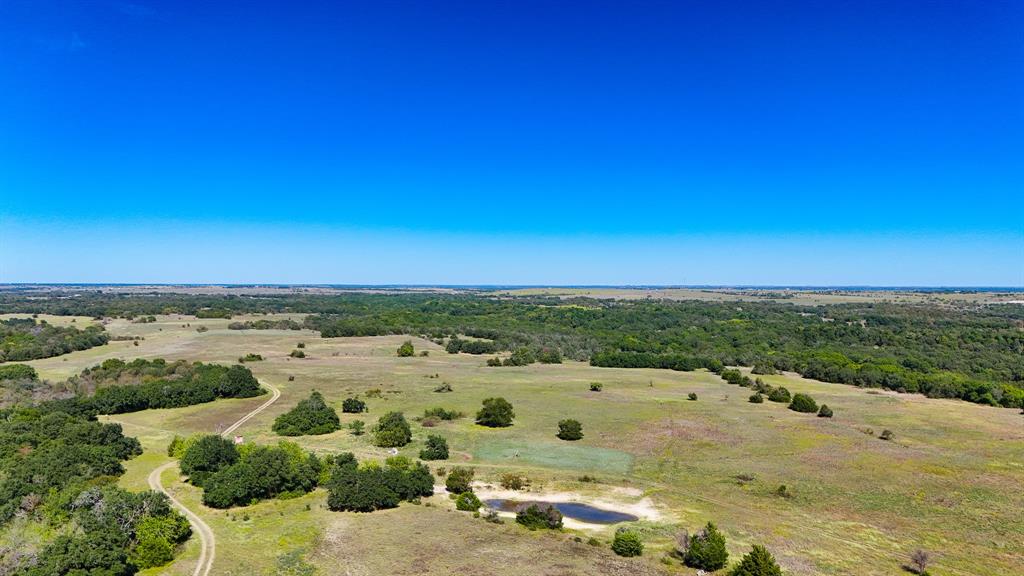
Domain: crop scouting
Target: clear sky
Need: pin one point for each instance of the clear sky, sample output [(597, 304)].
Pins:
[(859, 142)]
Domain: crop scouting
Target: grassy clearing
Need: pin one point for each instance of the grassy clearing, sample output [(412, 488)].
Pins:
[(949, 482)]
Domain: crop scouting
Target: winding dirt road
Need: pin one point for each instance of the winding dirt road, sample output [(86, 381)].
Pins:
[(207, 541)]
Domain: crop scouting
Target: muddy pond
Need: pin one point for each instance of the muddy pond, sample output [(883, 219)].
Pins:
[(574, 510)]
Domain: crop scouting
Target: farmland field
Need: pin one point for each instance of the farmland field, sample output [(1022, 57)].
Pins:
[(949, 481)]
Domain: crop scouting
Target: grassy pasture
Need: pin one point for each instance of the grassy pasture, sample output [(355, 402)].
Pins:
[(950, 481)]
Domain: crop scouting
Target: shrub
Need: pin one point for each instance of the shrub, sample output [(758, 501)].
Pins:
[(444, 387), (357, 427), (570, 430), (467, 502), (406, 349), (596, 386), (520, 357), (442, 414), (825, 411), (250, 358), (300, 345), (803, 403), (919, 561), (763, 368), (692, 396), (496, 413), (537, 517), (437, 448), (459, 480), (311, 416), (886, 435), (756, 398), (758, 562), (707, 549), (627, 543), (513, 481), (392, 431), (297, 354), (353, 406), (494, 362), (209, 454), (18, 372), (779, 394), (549, 356)]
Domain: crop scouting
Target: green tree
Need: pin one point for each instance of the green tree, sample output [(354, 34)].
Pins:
[(436, 449), (467, 502), (406, 349), (803, 403), (570, 430), (779, 394), (758, 562), (496, 413), (825, 411), (392, 431), (627, 543), (707, 549), (207, 455), (311, 416), (459, 480), (353, 406)]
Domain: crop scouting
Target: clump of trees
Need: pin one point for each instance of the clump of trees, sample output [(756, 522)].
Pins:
[(456, 345), (264, 324), (549, 356), (803, 403), (27, 339), (758, 562), (258, 472), (495, 413), (311, 416), (406, 349), (540, 517), (392, 431), (18, 372), (436, 448), (706, 549), (370, 486), (627, 543), (204, 456), (353, 406), (570, 429)]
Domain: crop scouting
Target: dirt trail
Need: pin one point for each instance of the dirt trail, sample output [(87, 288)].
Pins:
[(207, 540)]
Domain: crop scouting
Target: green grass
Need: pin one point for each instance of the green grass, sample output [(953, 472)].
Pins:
[(949, 482)]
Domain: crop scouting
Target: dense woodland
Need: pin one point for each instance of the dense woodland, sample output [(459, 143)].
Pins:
[(27, 339), (970, 353)]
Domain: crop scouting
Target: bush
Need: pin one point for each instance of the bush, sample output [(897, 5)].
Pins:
[(779, 394), (549, 356), (825, 411), (496, 413), (803, 403), (467, 502), (627, 543), (18, 372), (459, 480), (445, 387), (297, 354), (357, 426), (437, 449), (311, 416), (392, 431), (596, 386), (513, 481), (537, 517), (406, 349), (353, 406), (250, 358), (209, 454), (707, 549), (757, 562), (570, 430), (300, 345), (756, 398), (692, 396), (442, 414), (494, 362), (886, 435)]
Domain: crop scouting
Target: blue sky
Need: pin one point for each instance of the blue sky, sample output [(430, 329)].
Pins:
[(527, 143)]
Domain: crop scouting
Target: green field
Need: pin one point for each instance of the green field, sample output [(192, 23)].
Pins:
[(950, 481)]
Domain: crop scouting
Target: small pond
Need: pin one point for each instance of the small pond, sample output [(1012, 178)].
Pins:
[(574, 510)]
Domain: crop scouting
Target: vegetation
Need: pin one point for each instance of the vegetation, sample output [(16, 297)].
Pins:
[(297, 354), (803, 403), (392, 431), (825, 411), (18, 372), (758, 562), (596, 386), (205, 456), (357, 427), (467, 502), (496, 413), (692, 396), (442, 414), (756, 398), (406, 349), (459, 480), (250, 358), (369, 487), (513, 481), (570, 430), (353, 406), (540, 517), (436, 449), (262, 472), (264, 324), (627, 543), (706, 549), (311, 416), (780, 394), (26, 339)]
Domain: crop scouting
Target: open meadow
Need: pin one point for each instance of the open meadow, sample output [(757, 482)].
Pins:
[(948, 482)]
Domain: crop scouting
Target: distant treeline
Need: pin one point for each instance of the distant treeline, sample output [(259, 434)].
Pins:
[(975, 354), (26, 339), (264, 324)]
